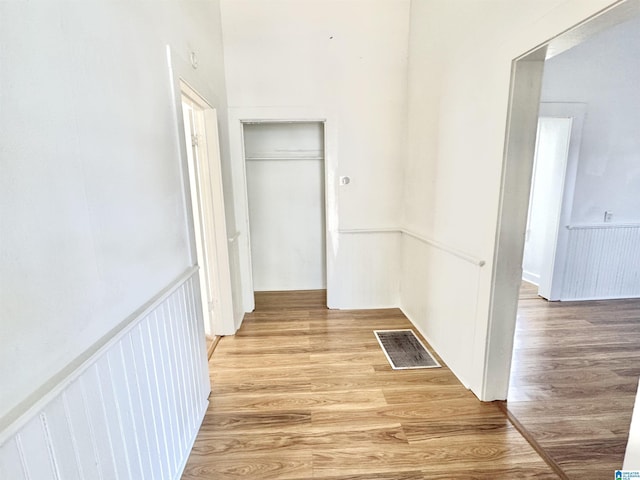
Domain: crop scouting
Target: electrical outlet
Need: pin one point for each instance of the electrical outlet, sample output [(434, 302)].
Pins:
[(608, 216)]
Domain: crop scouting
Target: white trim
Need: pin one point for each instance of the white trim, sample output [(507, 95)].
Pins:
[(59, 382), (184, 82), (284, 159), (530, 277), (608, 297), (493, 350), (590, 226), (422, 238), (238, 116), (446, 248), (348, 231)]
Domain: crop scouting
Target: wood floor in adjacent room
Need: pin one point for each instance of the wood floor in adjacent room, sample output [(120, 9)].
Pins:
[(304, 392), (574, 380)]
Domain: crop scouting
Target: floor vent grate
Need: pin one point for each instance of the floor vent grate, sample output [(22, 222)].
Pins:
[(404, 350)]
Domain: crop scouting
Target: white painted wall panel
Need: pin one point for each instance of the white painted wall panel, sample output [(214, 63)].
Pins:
[(63, 442), (163, 384), (368, 269), (122, 402), (82, 435), (92, 200), (603, 261), (10, 461), (37, 453), (286, 215), (111, 418), (146, 403), (97, 422), (602, 73), (283, 139), (439, 295)]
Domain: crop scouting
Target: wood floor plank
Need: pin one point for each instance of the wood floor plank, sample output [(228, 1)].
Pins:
[(574, 379), (282, 465), (303, 392)]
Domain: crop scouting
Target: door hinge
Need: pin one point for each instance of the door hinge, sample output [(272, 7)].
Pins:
[(194, 140)]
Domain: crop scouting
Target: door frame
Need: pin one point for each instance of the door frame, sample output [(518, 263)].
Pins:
[(183, 74), (547, 247), (237, 118), (324, 188), (208, 215), (576, 112), (515, 185)]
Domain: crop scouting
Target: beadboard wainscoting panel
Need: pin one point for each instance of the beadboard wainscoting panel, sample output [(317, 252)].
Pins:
[(131, 411), (11, 462), (367, 269), (603, 262)]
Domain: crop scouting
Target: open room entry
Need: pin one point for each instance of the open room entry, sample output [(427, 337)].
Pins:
[(553, 182), (284, 165), (545, 201), (520, 141)]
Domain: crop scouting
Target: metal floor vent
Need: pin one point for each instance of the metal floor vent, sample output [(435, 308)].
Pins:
[(404, 350)]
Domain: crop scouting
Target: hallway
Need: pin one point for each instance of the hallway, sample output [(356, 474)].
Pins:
[(304, 392)]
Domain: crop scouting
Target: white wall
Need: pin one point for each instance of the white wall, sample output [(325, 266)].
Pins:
[(602, 73), (93, 219), (460, 56), (347, 58)]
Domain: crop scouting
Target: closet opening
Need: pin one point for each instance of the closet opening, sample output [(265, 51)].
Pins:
[(285, 172)]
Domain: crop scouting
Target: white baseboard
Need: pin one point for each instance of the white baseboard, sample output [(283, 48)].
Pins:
[(531, 278)]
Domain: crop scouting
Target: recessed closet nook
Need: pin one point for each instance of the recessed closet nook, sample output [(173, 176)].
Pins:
[(286, 195)]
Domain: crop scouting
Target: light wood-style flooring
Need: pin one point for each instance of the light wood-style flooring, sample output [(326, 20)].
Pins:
[(304, 392), (574, 379)]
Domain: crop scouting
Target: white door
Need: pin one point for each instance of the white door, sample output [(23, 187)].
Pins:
[(545, 202), (207, 203)]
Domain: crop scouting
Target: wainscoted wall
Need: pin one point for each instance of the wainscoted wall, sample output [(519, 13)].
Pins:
[(439, 294), (131, 411), (603, 261), (366, 270), (234, 259)]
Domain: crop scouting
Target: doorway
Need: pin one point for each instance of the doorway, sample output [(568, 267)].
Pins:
[(545, 201), (555, 165), (565, 326), (284, 165), (206, 202), (524, 102)]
